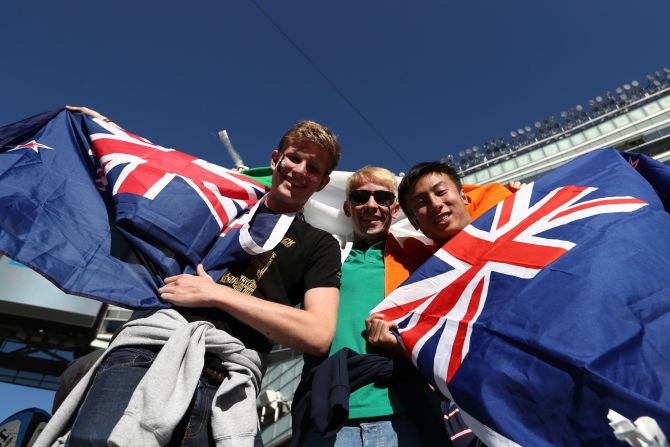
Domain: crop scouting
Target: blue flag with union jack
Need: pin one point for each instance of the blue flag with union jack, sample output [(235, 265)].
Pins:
[(107, 214), (552, 309)]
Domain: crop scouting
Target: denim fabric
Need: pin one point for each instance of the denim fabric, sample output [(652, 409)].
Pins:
[(109, 394), (394, 432)]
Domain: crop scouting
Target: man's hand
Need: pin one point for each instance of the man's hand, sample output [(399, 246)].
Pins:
[(379, 335), (190, 290), (92, 113)]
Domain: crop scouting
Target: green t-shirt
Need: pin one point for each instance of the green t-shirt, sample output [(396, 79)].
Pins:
[(361, 289)]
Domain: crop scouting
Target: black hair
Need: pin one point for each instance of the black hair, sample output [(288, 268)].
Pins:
[(415, 173)]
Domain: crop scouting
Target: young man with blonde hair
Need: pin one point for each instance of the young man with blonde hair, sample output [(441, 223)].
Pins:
[(287, 294), (379, 412)]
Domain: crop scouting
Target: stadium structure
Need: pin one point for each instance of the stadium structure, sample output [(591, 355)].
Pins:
[(42, 329)]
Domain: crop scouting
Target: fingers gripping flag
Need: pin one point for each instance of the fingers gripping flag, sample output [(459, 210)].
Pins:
[(548, 311), (106, 214)]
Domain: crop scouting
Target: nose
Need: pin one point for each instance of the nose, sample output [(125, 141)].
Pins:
[(435, 204), (371, 202), (301, 167)]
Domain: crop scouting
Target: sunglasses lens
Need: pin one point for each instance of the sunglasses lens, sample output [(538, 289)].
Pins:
[(384, 198), (361, 196)]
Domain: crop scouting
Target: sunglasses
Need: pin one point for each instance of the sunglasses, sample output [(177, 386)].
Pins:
[(361, 196)]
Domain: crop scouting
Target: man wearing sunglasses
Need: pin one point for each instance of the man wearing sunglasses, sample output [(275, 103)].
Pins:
[(379, 413)]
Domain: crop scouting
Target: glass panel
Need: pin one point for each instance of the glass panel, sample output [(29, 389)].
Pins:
[(482, 175), (27, 382), (564, 144), (30, 375), (651, 108), (509, 165), (536, 155), (606, 127), (495, 170), (551, 149), (621, 121), (4, 372), (636, 114), (469, 179), (591, 133), (522, 160), (578, 139), (665, 102)]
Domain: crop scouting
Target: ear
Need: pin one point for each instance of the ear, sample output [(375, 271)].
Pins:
[(274, 158), (346, 207), (395, 209), (323, 183), (465, 197), (413, 222)]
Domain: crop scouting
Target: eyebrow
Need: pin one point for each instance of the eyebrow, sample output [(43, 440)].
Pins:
[(441, 183)]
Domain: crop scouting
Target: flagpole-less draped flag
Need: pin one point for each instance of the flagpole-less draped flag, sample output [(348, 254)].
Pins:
[(106, 214), (552, 308)]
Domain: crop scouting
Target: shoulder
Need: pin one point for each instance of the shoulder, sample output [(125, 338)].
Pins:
[(312, 234)]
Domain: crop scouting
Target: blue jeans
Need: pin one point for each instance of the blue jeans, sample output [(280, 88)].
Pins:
[(109, 394), (394, 432)]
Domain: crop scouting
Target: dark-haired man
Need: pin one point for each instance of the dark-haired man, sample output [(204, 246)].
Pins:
[(433, 199)]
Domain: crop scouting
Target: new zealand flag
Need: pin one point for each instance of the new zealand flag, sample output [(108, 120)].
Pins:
[(553, 308), (106, 214)]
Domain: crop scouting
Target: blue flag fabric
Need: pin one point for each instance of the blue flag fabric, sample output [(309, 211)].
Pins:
[(106, 214), (553, 308)]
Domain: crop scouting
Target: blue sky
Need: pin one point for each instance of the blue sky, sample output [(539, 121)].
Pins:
[(400, 82)]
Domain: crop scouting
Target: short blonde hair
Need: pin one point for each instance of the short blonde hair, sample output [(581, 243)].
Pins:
[(374, 174), (312, 132)]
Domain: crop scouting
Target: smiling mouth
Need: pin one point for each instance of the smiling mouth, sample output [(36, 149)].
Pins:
[(442, 218), (293, 183), (371, 219)]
